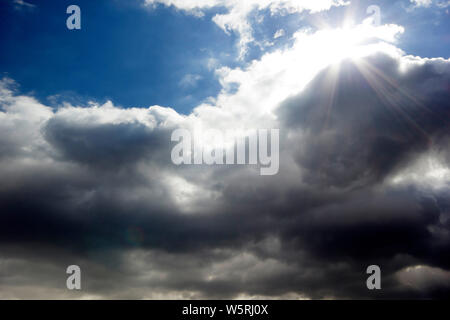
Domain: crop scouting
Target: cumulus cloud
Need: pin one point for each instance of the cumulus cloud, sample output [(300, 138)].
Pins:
[(94, 185)]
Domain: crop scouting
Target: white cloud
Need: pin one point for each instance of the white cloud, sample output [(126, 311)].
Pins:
[(429, 170), (25, 113), (422, 3), (280, 33), (265, 83), (190, 80)]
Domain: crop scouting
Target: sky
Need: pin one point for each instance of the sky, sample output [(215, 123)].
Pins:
[(86, 116)]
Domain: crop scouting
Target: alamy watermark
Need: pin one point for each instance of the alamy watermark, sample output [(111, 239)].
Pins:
[(374, 280), (241, 147), (73, 22), (74, 280), (375, 13)]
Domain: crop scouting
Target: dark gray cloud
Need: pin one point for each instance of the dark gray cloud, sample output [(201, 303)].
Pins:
[(366, 119), (107, 146), (101, 192)]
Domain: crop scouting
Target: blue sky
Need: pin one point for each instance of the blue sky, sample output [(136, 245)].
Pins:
[(142, 56), (133, 56)]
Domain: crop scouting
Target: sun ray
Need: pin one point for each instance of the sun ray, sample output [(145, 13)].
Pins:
[(385, 87)]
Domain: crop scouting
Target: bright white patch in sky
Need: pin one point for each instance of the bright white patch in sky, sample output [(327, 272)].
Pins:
[(280, 33), (265, 83), (430, 170), (422, 277)]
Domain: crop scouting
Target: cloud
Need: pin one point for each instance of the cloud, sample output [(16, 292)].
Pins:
[(422, 3), (280, 33), (424, 278), (442, 4), (190, 80), (237, 19), (21, 5), (380, 119), (93, 185)]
